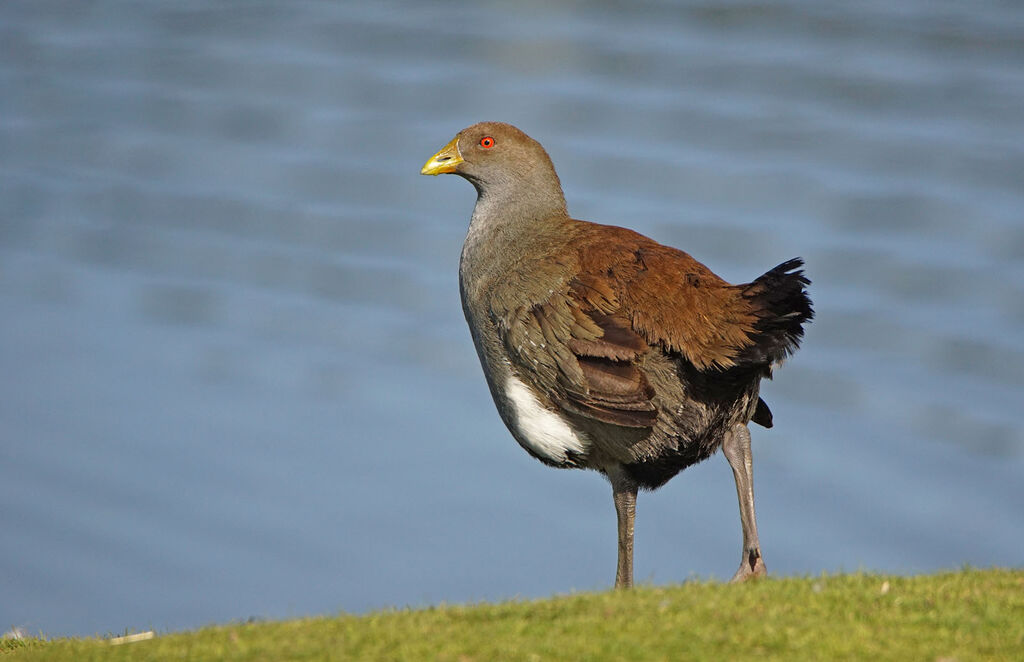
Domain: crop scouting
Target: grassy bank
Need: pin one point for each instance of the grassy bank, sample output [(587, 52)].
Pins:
[(966, 615)]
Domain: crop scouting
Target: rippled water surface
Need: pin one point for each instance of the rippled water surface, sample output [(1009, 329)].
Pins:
[(236, 380)]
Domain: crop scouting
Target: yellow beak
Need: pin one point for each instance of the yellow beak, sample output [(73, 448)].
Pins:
[(445, 161)]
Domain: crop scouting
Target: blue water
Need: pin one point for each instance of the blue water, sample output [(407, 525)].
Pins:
[(236, 381)]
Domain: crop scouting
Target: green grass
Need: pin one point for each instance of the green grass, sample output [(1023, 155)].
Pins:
[(966, 615)]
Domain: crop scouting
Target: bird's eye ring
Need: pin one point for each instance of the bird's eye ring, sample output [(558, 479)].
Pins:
[(487, 142)]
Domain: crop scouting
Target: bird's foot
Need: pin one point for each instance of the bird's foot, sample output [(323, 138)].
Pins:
[(752, 567)]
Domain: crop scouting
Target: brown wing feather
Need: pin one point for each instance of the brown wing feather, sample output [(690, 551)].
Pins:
[(585, 343), (587, 360), (671, 299), (617, 389)]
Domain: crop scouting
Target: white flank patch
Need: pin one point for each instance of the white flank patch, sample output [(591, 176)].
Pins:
[(543, 431)]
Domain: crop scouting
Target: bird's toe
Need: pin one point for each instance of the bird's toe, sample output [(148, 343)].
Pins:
[(752, 567)]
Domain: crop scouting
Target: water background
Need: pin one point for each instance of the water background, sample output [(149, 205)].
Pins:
[(235, 380)]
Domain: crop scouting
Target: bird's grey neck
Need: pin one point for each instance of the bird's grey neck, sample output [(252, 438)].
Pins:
[(499, 232), (505, 212)]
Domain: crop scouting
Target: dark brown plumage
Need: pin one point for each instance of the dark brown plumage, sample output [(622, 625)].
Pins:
[(604, 349)]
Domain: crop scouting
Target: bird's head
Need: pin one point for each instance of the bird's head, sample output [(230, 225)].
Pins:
[(499, 160)]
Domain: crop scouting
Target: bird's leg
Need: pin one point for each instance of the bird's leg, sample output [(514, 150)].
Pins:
[(624, 493), (736, 447)]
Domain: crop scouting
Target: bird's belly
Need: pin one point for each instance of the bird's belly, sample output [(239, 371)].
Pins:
[(539, 430)]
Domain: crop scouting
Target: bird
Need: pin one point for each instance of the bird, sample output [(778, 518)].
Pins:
[(606, 350)]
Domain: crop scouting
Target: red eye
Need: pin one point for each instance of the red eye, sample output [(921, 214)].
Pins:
[(487, 142)]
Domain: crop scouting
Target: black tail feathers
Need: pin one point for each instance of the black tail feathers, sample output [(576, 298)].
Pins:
[(780, 301)]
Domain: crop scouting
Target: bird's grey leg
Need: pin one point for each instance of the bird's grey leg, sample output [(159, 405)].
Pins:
[(624, 493), (736, 447)]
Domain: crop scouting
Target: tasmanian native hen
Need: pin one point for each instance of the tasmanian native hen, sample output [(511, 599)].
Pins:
[(604, 349)]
